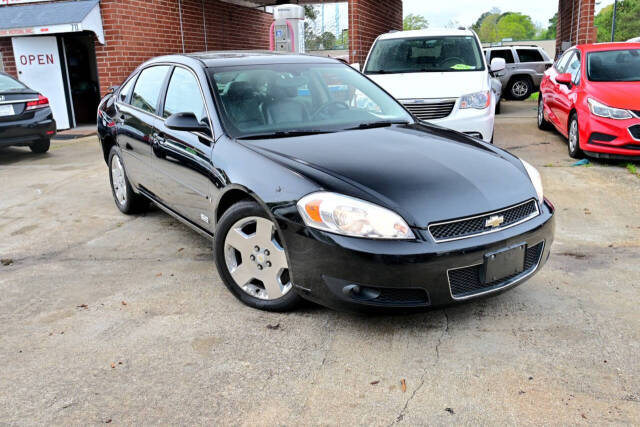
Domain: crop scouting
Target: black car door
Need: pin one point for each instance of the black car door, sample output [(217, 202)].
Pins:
[(137, 118), (183, 159)]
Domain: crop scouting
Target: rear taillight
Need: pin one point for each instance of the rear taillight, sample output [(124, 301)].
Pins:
[(42, 102)]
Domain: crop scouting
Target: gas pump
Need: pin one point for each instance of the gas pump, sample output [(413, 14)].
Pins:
[(287, 29)]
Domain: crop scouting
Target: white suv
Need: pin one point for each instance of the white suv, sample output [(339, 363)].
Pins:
[(441, 76)]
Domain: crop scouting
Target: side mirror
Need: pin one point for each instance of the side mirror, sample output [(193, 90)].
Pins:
[(564, 79), (356, 66), (498, 64), (112, 89), (186, 122)]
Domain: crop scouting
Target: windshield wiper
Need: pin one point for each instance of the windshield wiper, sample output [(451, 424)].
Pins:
[(380, 124), (285, 134)]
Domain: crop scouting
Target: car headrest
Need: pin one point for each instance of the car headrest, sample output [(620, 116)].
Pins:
[(281, 92), (240, 90)]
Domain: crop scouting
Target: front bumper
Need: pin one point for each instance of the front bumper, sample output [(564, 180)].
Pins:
[(24, 131), (407, 274), (470, 121), (608, 138)]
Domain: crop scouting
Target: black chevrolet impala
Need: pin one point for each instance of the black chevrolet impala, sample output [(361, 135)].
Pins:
[(313, 182)]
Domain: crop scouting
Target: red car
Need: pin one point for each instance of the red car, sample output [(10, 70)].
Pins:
[(592, 96)]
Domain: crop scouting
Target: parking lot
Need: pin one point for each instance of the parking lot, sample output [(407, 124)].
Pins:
[(106, 318)]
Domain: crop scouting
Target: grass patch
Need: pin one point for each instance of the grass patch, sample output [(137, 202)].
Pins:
[(534, 96), (633, 169)]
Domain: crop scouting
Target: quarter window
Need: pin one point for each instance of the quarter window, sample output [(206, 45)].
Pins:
[(183, 95), (529, 55), (505, 54), (147, 90), (126, 89), (574, 68), (561, 65)]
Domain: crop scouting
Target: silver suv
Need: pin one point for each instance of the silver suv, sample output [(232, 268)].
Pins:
[(526, 65)]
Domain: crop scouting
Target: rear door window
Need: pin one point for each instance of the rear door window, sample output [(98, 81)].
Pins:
[(147, 91), (505, 54), (529, 55), (126, 90), (573, 67), (561, 64)]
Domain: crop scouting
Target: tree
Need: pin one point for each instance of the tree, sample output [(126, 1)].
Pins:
[(627, 21), (476, 26), (515, 26), (489, 28), (327, 40), (550, 33), (414, 22), (311, 41)]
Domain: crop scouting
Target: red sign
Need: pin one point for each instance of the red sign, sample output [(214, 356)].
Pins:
[(40, 59)]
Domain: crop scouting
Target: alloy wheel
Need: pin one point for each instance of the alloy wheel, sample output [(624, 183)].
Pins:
[(540, 111), (519, 88), (118, 180), (256, 259), (573, 135)]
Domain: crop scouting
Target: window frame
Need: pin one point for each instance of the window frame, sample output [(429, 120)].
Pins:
[(162, 88), (568, 54), (576, 81)]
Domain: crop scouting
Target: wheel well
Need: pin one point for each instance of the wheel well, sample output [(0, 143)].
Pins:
[(517, 76), (571, 113), (107, 142), (229, 199)]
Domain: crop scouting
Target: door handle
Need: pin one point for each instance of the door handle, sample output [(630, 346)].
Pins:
[(159, 139)]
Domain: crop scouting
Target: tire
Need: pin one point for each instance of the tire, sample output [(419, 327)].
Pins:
[(123, 195), (251, 260), (543, 124), (41, 146), (520, 88), (574, 138)]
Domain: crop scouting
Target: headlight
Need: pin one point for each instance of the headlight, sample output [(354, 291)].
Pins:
[(352, 217), (535, 178), (601, 110), (478, 100)]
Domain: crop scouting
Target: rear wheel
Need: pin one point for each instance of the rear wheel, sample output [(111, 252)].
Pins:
[(520, 88), (574, 138), (126, 200), (251, 259), (543, 124), (41, 145)]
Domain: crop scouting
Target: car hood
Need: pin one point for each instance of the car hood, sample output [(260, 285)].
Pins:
[(424, 173), (624, 95), (432, 85)]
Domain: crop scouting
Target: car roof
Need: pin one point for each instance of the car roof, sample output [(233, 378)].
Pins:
[(594, 47), (429, 32), (515, 46), (245, 57)]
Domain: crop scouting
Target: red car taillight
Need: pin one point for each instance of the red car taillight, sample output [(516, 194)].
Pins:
[(42, 102)]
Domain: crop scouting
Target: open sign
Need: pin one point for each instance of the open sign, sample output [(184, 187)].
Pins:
[(40, 59)]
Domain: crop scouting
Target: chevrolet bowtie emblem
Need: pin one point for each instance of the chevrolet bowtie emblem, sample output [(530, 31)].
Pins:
[(494, 221)]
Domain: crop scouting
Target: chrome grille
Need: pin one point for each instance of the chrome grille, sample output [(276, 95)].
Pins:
[(476, 225), (429, 109), (467, 281)]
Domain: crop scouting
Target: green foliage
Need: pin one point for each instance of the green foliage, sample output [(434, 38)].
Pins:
[(516, 26), (551, 30), (627, 21), (489, 28), (414, 22)]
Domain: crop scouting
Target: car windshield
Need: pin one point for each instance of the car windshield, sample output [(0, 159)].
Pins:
[(614, 66), (9, 84), (425, 54), (287, 99)]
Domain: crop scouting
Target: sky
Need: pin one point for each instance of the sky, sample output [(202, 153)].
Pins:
[(466, 12)]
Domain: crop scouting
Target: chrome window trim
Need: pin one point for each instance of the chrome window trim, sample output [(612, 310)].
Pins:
[(505, 285), (533, 215), (419, 101)]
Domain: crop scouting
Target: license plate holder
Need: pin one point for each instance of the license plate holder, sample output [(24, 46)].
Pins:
[(504, 263), (6, 110)]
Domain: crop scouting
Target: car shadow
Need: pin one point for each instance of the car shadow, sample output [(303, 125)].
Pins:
[(10, 155)]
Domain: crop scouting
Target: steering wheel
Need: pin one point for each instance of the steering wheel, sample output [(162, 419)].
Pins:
[(324, 108), (453, 60)]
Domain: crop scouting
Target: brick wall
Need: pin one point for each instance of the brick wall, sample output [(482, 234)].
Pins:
[(136, 30), (575, 22), (367, 20)]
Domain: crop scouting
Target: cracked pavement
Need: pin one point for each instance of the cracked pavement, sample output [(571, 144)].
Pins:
[(108, 318)]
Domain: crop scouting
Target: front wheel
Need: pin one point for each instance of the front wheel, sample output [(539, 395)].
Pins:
[(574, 138), (251, 259)]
